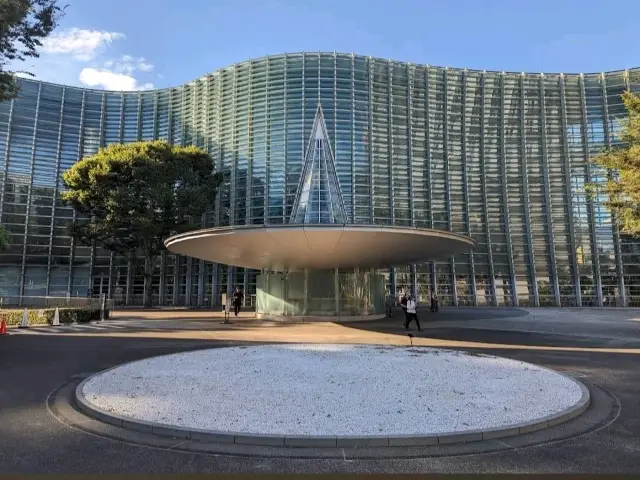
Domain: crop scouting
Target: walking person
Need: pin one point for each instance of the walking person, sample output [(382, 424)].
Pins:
[(238, 296), (388, 303), (411, 313), (403, 301), (434, 301)]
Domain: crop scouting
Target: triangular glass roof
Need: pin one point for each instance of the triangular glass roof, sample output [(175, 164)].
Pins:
[(318, 199)]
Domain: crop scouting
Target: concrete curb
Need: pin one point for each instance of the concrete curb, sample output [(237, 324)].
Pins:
[(310, 441)]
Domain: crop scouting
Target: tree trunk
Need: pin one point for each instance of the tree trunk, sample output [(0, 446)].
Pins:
[(148, 276)]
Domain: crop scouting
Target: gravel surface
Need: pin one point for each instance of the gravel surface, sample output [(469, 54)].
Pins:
[(332, 390)]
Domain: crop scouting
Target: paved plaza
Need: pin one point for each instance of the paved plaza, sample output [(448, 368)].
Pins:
[(598, 347)]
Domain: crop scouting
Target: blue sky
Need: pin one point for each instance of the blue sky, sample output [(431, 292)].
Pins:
[(140, 44)]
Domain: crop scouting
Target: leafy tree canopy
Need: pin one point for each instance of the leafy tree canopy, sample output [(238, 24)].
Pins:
[(23, 24), (622, 189), (5, 239), (135, 195)]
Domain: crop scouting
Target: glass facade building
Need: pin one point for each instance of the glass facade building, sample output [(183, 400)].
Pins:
[(501, 157)]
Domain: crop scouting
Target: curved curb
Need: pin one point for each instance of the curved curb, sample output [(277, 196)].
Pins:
[(317, 441)]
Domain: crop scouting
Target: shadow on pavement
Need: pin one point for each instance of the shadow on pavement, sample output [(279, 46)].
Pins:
[(457, 324)]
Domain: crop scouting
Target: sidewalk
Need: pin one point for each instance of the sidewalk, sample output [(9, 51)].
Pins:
[(206, 325)]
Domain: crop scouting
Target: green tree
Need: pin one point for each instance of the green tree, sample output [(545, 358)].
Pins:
[(622, 188), (23, 25), (5, 239), (135, 195)]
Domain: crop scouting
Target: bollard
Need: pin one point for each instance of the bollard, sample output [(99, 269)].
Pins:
[(25, 319)]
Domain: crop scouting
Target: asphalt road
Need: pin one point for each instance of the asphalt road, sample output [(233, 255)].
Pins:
[(32, 440)]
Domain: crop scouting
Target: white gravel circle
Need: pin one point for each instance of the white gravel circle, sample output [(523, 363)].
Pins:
[(340, 390)]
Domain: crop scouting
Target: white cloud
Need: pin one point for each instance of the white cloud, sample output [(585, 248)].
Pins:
[(128, 64), (76, 56), (80, 43), (111, 80), (117, 74)]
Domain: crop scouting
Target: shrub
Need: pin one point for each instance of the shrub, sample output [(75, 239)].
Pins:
[(14, 317), (42, 316)]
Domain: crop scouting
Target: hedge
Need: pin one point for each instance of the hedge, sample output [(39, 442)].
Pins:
[(45, 315)]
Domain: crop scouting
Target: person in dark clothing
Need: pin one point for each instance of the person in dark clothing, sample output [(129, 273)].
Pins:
[(411, 313), (434, 301), (237, 301), (388, 298), (403, 304)]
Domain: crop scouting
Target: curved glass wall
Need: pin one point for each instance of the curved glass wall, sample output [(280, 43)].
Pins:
[(321, 293), (502, 157)]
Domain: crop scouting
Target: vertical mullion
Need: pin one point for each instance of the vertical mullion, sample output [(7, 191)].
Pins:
[(183, 112), (176, 257), (427, 143), (505, 192), (161, 285), (525, 184), (432, 265), (139, 118), (412, 218), (447, 176), (234, 155), (286, 125), (245, 286), (590, 203), (55, 191), (547, 193), (333, 150), (5, 168), (353, 140), (206, 138), (494, 299), (465, 185), (92, 254), (210, 140), (567, 176), (249, 195), (267, 139), (615, 225), (183, 133), (128, 292), (370, 142), (188, 283), (110, 285), (248, 182), (219, 165), (318, 145), (101, 144), (184, 89), (392, 216), (215, 275), (79, 154), (412, 215), (156, 96), (32, 167)]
